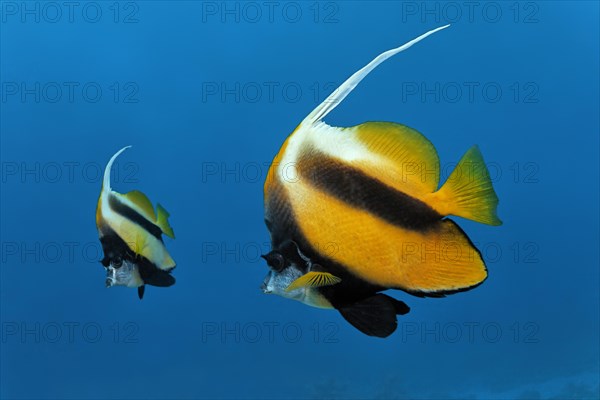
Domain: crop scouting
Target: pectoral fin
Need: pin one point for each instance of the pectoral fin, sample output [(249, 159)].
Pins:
[(314, 279), (141, 290)]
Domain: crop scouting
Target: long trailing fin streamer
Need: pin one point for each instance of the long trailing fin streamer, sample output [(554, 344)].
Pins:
[(348, 86)]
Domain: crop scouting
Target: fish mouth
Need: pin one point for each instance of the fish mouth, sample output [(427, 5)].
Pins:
[(110, 278), (264, 289), (123, 274), (264, 286)]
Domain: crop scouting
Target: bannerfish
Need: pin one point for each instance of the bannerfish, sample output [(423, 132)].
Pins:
[(353, 211), (130, 232)]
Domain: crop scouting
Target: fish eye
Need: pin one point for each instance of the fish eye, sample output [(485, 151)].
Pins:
[(117, 262), (275, 260)]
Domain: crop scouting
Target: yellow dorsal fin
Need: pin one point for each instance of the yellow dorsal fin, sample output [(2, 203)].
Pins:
[(406, 160), (141, 204), (163, 221), (314, 279), (468, 192)]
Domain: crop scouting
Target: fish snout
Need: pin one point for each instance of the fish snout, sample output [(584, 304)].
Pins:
[(265, 285), (110, 276)]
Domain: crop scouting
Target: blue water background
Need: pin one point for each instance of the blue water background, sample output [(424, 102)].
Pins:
[(203, 136)]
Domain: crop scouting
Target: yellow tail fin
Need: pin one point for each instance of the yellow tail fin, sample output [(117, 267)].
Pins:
[(468, 192), (162, 220)]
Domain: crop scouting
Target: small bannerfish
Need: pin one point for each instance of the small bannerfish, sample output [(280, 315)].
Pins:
[(130, 232), (355, 211)]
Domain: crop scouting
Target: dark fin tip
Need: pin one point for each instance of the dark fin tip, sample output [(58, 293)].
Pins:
[(141, 290), (158, 278), (401, 307), (374, 316)]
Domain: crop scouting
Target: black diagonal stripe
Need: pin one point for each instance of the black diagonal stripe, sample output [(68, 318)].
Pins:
[(134, 216), (360, 190)]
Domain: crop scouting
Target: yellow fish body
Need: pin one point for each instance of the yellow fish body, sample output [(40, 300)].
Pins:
[(130, 232), (354, 211)]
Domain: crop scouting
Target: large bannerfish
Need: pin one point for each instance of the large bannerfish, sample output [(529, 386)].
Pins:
[(354, 211)]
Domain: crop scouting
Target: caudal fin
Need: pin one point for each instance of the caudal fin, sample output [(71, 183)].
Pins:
[(468, 192), (162, 219)]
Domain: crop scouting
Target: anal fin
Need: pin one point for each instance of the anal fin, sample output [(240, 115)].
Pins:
[(158, 278), (376, 315)]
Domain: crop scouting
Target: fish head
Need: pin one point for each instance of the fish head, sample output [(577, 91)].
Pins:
[(285, 268), (122, 272), (282, 272)]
